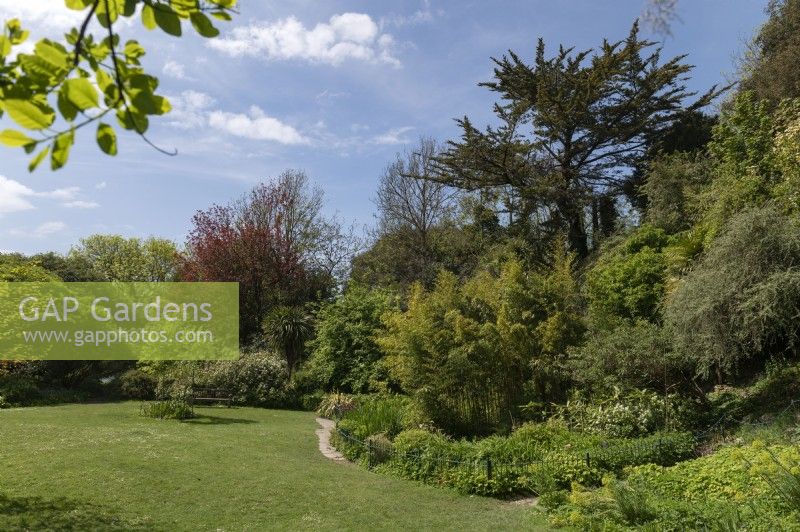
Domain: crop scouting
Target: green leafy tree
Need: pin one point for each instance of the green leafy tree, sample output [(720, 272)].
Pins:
[(769, 67), (116, 258), (787, 155), (687, 138), (629, 281), (395, 260), (571, 128), (345, 355), (672, 188), (26, 272), (90, 79), (70, 268), (754, 158), (744, 168)]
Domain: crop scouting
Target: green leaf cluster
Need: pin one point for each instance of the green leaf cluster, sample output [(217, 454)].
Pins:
[(630, 281), (62, 87)]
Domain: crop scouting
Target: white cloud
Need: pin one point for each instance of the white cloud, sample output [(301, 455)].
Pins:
[(47, 15), (424, 15), (46, 18), (80, 204), (41, 231), (49, 228), (194, 110), (255, 125), (63, 194), (352, 36), (189, 109), (393, 136), (16, 197), (101, 185), (175, 70)]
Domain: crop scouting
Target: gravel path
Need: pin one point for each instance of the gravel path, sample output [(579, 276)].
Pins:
[(324, 435)]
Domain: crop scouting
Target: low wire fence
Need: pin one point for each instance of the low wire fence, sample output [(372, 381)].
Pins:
[(606, 456), (610, 455)]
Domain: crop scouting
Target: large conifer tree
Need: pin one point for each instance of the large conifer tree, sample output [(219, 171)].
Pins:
[(571, 129)]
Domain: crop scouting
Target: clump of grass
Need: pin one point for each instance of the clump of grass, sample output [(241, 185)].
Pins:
[(336, 405), (785, 482), (633, 503), (376, 415), (170, 409), (380, 449)]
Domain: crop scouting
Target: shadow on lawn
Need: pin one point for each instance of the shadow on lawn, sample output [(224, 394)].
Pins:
[(217, 420), (36, 513)]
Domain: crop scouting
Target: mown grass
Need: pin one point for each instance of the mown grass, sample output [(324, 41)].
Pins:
[(104, 467)]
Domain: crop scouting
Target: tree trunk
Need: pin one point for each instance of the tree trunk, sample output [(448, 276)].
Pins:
[(577, 235), (571, 210)]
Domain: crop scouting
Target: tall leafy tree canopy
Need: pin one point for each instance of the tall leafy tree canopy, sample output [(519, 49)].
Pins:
[(571, 129), (116, 258), (269, 242)]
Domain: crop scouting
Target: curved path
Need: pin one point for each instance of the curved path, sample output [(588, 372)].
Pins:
[(326, 428), (324, 435)]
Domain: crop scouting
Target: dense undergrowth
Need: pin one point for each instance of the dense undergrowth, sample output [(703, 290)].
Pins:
[(736, 468)]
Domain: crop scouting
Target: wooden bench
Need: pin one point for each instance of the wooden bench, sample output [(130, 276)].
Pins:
[(211, 396)]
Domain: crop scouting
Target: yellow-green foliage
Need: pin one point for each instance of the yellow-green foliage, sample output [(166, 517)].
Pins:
[(732, 473), (25, 273), (465, 350), (629, 281), (536, 458), (787, 155), (737, 485), (755, 155), (744, 165)]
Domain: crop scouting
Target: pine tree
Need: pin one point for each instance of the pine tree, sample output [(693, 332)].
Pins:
[(572, 128)]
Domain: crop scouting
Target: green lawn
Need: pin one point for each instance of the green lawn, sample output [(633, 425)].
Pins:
[(103, 467)]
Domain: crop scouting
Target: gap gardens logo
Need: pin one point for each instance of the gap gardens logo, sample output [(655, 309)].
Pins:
[(119, 321)]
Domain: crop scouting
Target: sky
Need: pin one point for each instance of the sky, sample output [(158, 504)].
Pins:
[(335, 88)]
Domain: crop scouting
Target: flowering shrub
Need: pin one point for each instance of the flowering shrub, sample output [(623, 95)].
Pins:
[(258, 378), (625, 415)]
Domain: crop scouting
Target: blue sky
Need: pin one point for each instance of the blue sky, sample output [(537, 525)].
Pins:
[(335, 88)]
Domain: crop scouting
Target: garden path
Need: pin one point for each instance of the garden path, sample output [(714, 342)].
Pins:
[(324, 435)]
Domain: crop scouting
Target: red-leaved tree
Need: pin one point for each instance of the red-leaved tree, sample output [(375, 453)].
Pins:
[(263, 241)]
